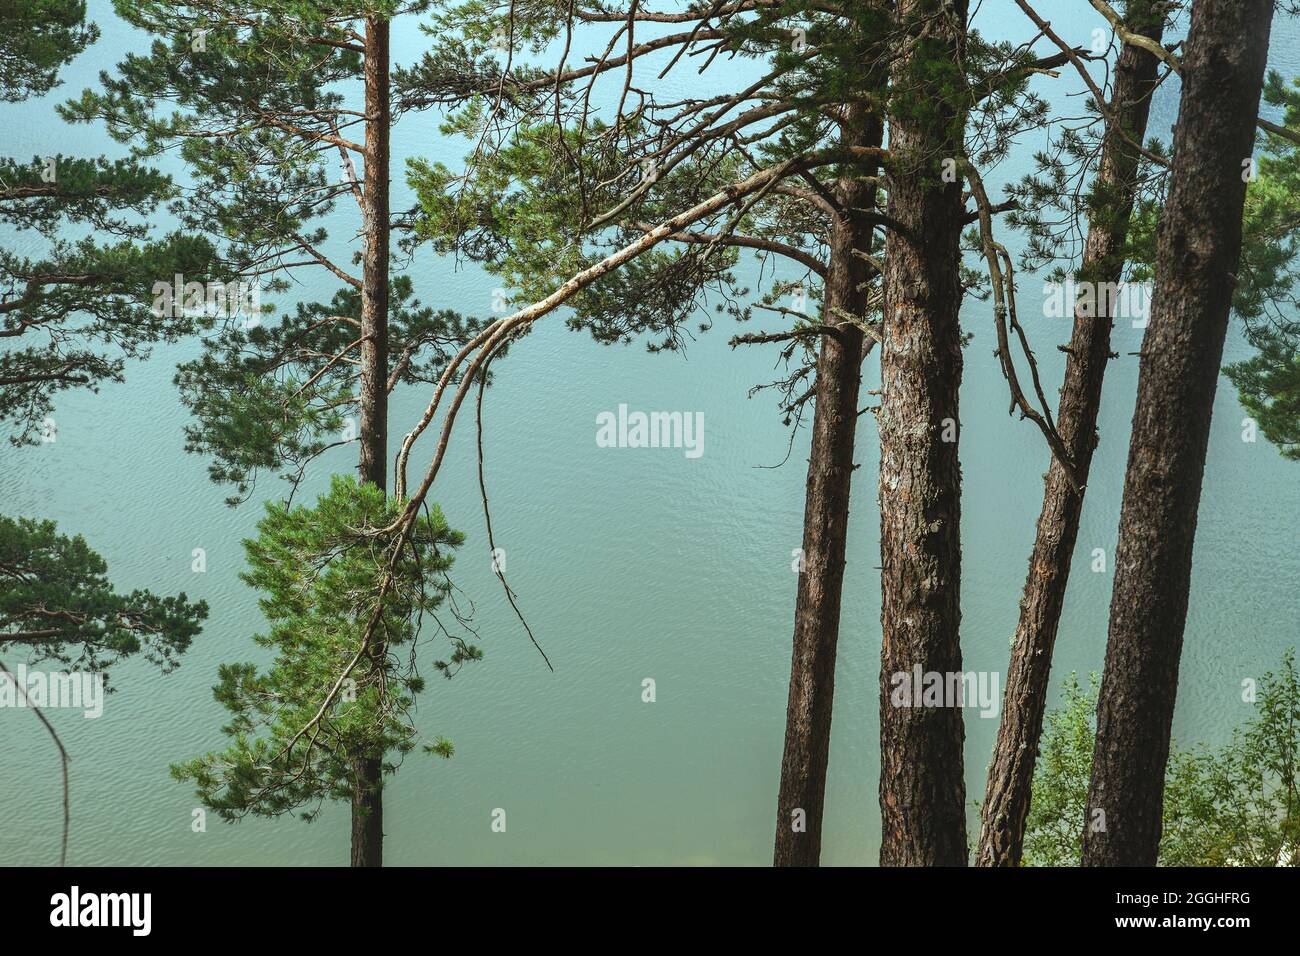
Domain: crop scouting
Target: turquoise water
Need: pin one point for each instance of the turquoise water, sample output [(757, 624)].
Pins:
[(629, 563)]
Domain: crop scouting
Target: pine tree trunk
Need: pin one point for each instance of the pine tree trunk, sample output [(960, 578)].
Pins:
[(922, 790), (1011, 773), (1199, 249), (826, 518), (367, 798), (368, 812)]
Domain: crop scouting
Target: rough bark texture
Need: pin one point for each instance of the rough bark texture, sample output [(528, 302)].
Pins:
[(368, 812), (367, 798), (826, 518), (1011, 773), (1198, 252), (922, 790)]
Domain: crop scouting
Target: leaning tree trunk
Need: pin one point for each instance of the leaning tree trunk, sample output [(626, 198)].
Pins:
[(367, 795), (1198, 252), (922, 790), (826, 515), (1011, 773)]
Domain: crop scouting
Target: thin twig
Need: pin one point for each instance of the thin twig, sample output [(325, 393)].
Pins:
[(63, 757)]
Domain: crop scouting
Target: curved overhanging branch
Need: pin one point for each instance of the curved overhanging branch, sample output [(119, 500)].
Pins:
[(759, 243), (487, 340), (484, 345), (1004, 314)]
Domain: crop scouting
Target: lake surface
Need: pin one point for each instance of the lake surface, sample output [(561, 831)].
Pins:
[(629, 564)]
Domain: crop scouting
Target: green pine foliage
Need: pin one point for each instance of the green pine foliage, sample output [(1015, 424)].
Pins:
[(531, 203), (38, 38), (262, 101), (72, 315), (57, 604), (1265, 291), (77, 310), (86, 307), (296, 726), (1268, 383), (564, 169), (264, 401)]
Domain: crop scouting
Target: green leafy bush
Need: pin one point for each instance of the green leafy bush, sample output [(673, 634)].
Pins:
[(1238, 805)]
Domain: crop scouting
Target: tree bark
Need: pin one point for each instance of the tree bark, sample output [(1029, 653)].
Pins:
[(367, 796), (1198, 252), (826, 515), (922, 790), (1011, 773)]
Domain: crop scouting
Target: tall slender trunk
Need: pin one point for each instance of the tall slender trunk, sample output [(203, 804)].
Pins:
[(922, 790), (1011, 773), (826, 516), (367, 797), (1198, 253)]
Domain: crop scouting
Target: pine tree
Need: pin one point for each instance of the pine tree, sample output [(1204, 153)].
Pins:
[(58, 606), (922, 785), (1223, 75), (37, 39), (1119, 169), (1127, 170), (1268, 385), (553, 189), (272, 105)]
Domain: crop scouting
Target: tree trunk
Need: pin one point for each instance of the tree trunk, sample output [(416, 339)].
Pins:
[(826, 517), (1011, 773), (1199, 248), (367, 797), (368, 812), (922, 790)]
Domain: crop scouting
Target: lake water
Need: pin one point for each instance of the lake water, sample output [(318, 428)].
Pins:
[(629, 564)]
